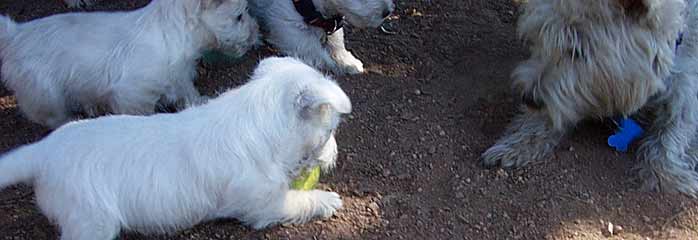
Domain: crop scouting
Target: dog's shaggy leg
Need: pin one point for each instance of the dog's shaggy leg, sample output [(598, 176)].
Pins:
[(300, 207), (666, 161), (530, 137), (345, 60)]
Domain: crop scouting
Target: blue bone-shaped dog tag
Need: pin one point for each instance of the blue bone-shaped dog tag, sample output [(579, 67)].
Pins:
[(628, 131)]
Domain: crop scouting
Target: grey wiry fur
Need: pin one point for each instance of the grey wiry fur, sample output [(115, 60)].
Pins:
[(595, 59)]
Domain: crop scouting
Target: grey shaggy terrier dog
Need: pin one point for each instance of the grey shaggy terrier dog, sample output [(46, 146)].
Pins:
[(605, 58)]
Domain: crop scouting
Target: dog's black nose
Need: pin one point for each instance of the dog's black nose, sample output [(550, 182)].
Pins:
[(386, 13)]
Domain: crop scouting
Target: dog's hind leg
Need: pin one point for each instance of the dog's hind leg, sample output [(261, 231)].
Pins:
[(345, 59), (530, 137)]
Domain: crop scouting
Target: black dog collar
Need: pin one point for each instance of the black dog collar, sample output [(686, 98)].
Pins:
[(312, 17)]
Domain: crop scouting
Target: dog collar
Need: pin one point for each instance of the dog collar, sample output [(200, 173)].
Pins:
[(312, 17)]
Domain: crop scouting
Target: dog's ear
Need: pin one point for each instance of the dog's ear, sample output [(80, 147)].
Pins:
[(634, 8), (322, 103)]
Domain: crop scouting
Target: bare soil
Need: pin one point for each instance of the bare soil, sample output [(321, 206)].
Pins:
[(436, 95)]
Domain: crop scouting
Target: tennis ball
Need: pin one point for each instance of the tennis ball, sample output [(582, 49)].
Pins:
[(307, 179)]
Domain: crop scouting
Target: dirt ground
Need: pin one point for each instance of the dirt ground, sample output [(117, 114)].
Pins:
[(436, 95)]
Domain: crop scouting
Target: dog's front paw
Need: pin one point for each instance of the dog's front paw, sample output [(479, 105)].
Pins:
[(660, 169), (326, 203), (506, 156), (348, 63)]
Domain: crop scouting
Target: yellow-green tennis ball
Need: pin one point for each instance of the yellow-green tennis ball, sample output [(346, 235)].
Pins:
[(307, 179)]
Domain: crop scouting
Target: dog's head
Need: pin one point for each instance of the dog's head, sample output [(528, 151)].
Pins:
[(596, 57), (362, 13), (311, 102), (230, 23)]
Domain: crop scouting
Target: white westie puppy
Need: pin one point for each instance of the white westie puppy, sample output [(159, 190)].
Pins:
[(312, 29), (596, 59), (232, 157), (118, 62)]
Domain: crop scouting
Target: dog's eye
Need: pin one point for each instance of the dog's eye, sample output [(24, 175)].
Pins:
[(239, 17)]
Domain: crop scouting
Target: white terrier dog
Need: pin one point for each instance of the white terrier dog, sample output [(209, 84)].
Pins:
[(118, 62), (232, 157), (312, 29), (607, 58)]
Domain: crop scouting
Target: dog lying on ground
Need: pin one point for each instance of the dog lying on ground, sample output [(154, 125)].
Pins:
[(609, 58), (232, 157), (118, 62), (312, 29)]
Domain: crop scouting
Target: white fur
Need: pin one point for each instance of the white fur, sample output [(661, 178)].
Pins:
[(117, 62), (232, 157), (287, 31)]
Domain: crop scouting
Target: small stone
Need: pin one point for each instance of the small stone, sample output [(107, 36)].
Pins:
[(374, 208), (612, 229), (617, 229), (418, 92), (646, 219), (502, 173), (386, 173), (460, 195)]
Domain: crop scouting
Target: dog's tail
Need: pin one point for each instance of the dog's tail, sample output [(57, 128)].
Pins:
[(15, 167)]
